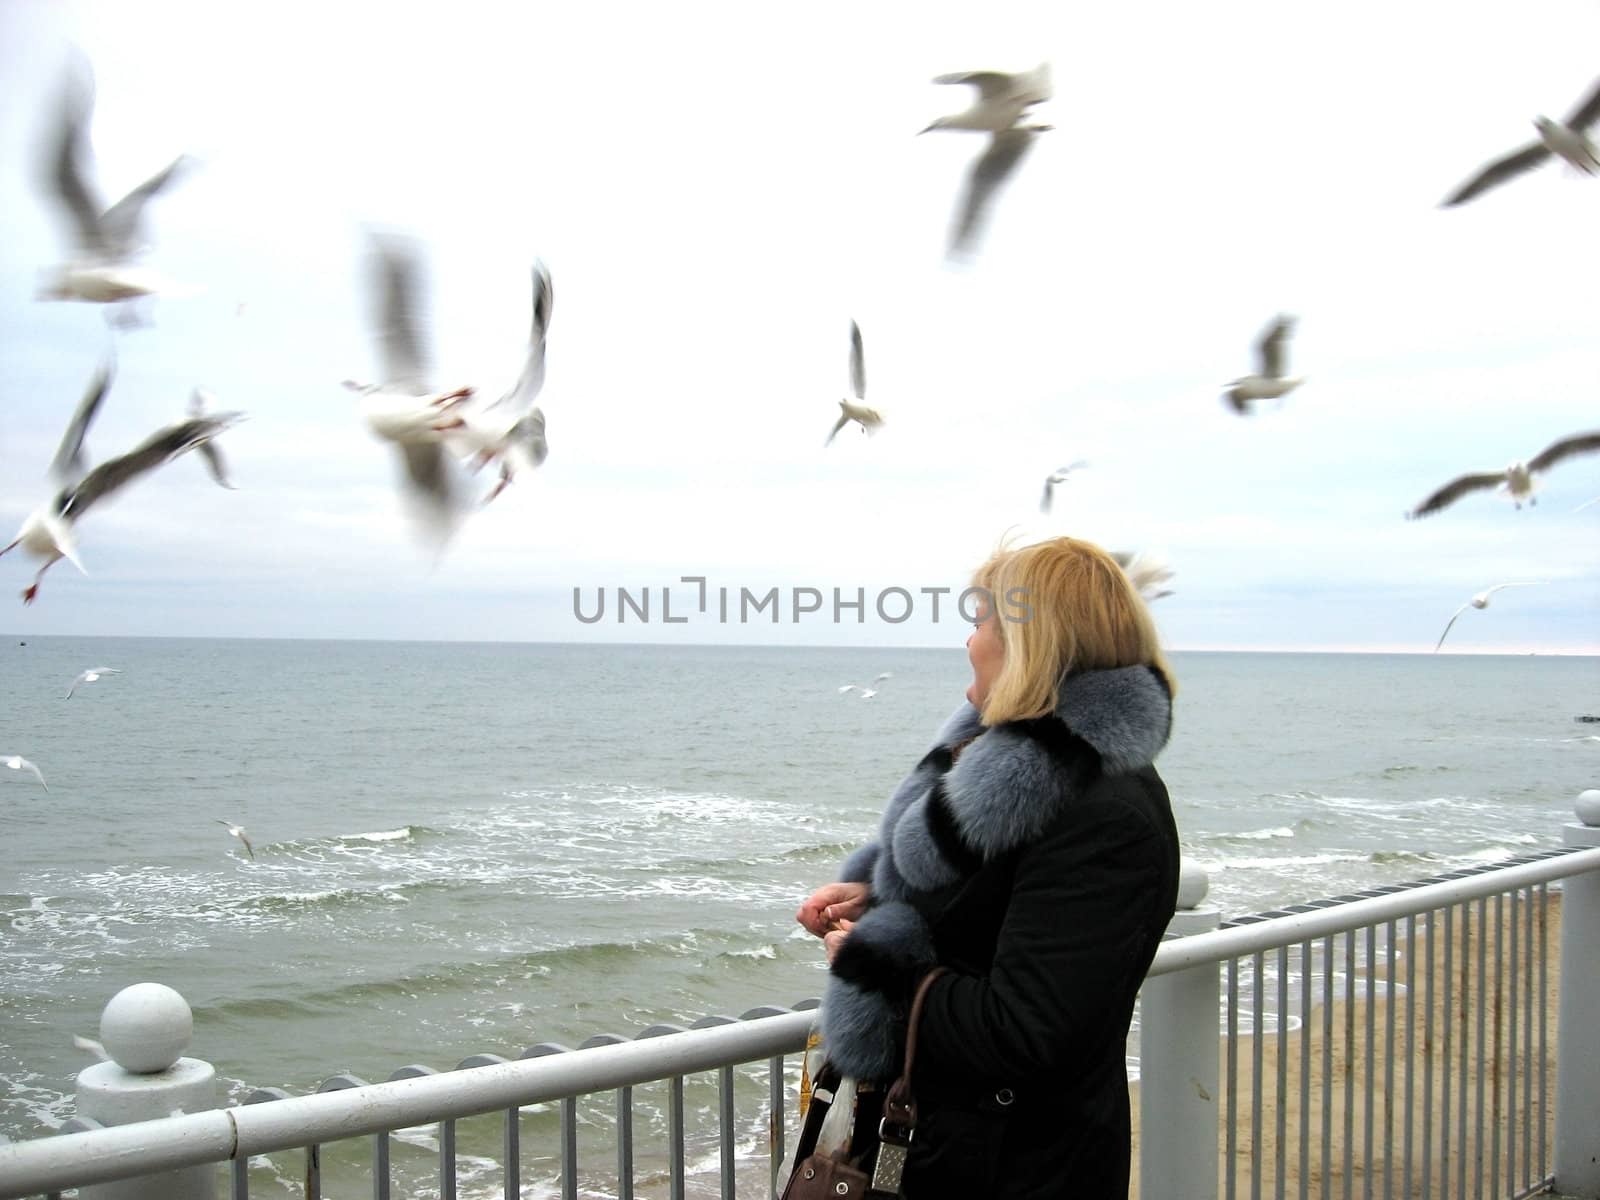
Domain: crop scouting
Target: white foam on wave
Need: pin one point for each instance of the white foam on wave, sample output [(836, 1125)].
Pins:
[(403, 834), (1277, 831), (1267, 862)]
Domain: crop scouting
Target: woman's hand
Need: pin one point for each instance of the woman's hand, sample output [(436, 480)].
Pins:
[(832, 906)]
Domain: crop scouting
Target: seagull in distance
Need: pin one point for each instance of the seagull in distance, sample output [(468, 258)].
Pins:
[(1059, 475), (238, 832), (1481, 600), (1000, 100), (868, 418), (92, 675), (868, 692), (17, 763)]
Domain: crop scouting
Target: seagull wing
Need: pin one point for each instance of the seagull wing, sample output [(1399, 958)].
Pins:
[(160, 447), (1578, 443), (1497, 172), (121, 225), (69, 466), (844, 419), (1049, 493), (395, 281), (527, 438), (531, 382), (1525, 583), (991, 85), (67, 173), (1587, 111), (879, 679), (431, 489), (858, 363), (992, 168), (1272, 349), (1448, 625), (1454, 490), (248, 848)]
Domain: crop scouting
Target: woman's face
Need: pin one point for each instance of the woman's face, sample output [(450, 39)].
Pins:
[(987, 654)]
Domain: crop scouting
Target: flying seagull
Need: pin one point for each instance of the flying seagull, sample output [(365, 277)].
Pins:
[(1516, 480), (868, 692), (1059, 475), (511, 430), (1001, 99), (92, 675), (238, 832), (1269, 382), (404, 409), (107, 241), (989, 171), (1563, 139), (1147, 570), (1481, 600), (868, 418), (17, 763), (49, 532)]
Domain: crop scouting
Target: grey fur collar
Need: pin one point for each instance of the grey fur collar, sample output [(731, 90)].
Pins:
[(1009, 785)]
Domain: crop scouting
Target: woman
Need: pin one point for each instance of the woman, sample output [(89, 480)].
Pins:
[(1033, 852)]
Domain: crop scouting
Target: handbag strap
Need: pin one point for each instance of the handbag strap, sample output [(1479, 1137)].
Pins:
[(899, 1106)]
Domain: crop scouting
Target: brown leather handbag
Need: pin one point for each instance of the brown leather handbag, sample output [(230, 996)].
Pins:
[(871, 1165)]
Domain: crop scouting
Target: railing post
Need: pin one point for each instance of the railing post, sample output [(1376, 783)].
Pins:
[(1577, 1157), (145, 1030), (1180, 1049)]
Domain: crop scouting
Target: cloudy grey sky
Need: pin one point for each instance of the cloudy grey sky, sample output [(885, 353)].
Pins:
[(717, 190)]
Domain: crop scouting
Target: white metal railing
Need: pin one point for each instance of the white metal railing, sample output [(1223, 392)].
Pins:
[(1182, 1052), (1445, 1070)]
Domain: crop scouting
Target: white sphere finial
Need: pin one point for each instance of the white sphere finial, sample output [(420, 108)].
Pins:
[(1588, 807), (1193, 883), (146, 1028)]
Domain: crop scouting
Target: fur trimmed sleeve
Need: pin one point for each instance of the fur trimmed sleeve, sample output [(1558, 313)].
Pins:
[(858, 867), (869, 990)]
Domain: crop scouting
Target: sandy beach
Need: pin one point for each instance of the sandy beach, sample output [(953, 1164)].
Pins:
[(1347, 1141)]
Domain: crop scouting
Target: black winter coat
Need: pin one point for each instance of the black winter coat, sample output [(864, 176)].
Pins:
[(1041, 866)]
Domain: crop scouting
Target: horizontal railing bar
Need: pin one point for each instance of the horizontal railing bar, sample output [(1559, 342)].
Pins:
[(53, 1163), (1236, 941)]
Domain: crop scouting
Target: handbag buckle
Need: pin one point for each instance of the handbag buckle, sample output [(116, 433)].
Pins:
[(891, 1165)]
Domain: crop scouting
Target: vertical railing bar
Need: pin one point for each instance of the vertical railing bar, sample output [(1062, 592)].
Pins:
[(1461, 1083), (1544, 1010), (1349, 1062), (1528, 1066), (1496, 1067), (313, 1172), (513, 1154), (1370, 1091), (1258, 1001), (569, 1148), (1511, 1045), (1388, 1062), (447, 1160), (775, 1098), (675, 1134), (1230, 1162), (1327, 1059), (238, 1178), (625, 1143), (1483, 969), (1408, 1135), (1447, 1017), (1282, 1113), (380, 1166), (726, 1120), (1306, 957)]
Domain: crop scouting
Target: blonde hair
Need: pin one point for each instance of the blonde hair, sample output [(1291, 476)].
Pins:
[(1063, 606)]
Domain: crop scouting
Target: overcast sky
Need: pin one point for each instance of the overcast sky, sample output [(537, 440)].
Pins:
[(718, 189)]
